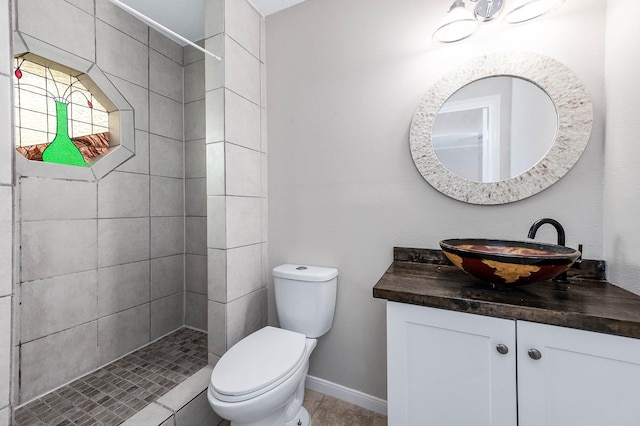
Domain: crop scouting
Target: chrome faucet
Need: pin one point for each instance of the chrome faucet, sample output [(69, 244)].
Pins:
[(562, 278)]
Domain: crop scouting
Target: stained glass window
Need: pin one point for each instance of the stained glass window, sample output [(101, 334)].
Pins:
[(57, 118)]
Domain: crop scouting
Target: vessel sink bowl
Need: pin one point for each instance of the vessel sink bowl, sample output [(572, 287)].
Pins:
[(509, 263)]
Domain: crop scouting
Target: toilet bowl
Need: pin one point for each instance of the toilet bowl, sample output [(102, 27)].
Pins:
[(249, 391), (260, 380)]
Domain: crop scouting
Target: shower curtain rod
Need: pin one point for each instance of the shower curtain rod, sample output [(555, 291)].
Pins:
[(158, 26)]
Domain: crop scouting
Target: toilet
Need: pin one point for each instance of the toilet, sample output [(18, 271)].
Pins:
[(260, 380)]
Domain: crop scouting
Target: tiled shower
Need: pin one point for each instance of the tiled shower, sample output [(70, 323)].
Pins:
[(174, 236)]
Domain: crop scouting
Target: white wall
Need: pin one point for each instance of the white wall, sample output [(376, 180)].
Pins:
[(344, 80), (621, 200)]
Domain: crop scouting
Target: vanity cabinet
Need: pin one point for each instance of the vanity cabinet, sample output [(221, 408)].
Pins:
[(455, 368)]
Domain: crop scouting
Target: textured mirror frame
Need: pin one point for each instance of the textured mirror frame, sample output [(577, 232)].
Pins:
[(575, 120)]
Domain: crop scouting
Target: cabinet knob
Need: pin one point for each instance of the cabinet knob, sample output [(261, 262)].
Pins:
[(502, 349), (534, 354)]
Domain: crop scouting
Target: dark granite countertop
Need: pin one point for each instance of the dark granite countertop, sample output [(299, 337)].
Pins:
[(425, 277)]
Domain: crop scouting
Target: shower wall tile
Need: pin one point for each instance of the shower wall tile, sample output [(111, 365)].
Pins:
[(122, 241), (56, 359), (214, 17), (120, 55), (55, 304), (242, 121), (234, 273), (120, 19), (5, 349), (194, 81), (217, 327), (244, 271), (196, 235), (266, 272), (195, 313), (216, 168), (6, 243), (5, 40), (196, 273), (167, 236), (165, 76), (242, 71), (214, 121), (243, 171), (195, 159), (242, 23), (217, 281), (167, 276), (165, 117), (196, 197), (167, 158), (263, 85), (265, 219), (161, 43), (7, 151), (243, 221), (265, 307), (264, 189), (138, 98), (122, 332), (86, 5), (36, 17), (123, 195), (49, 199), (52, 248), (167, 314), (194, 120), (167, 196), (244, 316), (191, 54), (263, 131), (139, 162), (216, 222), (123, 286), (215, 69)]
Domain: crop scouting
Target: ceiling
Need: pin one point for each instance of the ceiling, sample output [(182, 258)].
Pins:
[(186, 17)]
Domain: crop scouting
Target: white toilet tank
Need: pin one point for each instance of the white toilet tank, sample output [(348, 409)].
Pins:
[(305, 298)]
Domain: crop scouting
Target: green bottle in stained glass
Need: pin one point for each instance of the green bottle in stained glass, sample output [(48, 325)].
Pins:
[(62, 149)]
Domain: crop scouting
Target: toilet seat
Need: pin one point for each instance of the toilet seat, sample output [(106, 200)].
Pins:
[(257, 364)]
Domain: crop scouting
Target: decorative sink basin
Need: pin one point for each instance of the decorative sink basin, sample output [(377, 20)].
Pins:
[(504, 262)]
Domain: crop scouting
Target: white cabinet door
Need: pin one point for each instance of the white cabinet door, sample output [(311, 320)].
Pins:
[(582, 378), (444, 369)]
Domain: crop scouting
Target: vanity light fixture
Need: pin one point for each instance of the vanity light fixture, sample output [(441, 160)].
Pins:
[(460, 22), (531, 9)]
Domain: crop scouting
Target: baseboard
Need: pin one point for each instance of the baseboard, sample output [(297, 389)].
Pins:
[(349, 395)]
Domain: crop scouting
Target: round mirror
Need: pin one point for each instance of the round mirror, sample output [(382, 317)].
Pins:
[(494, 129), (502, 128)]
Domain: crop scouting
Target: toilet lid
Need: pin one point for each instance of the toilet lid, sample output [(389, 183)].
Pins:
[(257, 361)]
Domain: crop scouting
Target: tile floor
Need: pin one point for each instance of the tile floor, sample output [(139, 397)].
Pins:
[(325, 410)]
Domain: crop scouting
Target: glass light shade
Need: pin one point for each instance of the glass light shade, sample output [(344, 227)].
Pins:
[(531, 9), (459, 23)]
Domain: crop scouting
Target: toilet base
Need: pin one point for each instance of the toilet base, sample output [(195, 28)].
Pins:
[(300, 419)]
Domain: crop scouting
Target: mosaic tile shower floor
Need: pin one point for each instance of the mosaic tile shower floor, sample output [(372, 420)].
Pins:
[(114, 393)]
